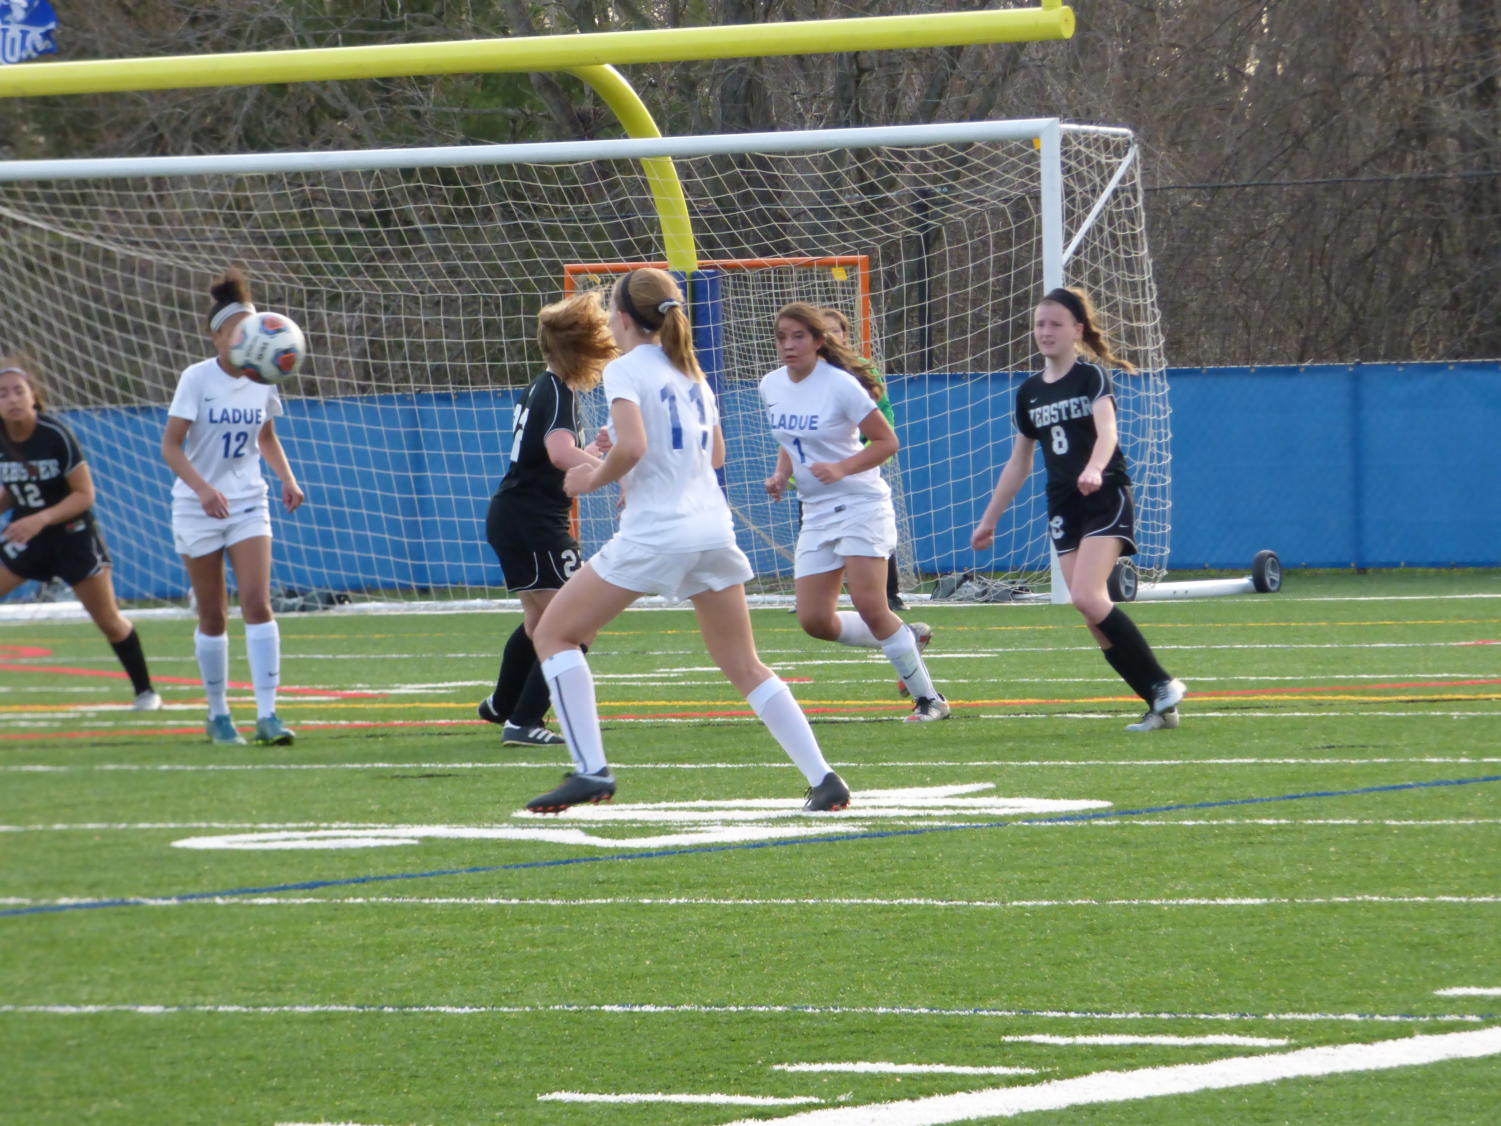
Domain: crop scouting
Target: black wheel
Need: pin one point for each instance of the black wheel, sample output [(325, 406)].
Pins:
[(1121, 585), (1266, 572)]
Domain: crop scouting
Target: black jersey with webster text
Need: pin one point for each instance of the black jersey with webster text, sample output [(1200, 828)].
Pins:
[(532, 488), (35, 472), (1060, 416)]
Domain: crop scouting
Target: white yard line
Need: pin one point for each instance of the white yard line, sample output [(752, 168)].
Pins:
[(627, 901), (813, 1011), (1469, 991), (869, 764), (878, 1068), (658, 1097), (1156, 1082)]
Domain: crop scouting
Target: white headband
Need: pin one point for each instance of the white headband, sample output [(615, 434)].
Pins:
[(228, 311), (17, 371)]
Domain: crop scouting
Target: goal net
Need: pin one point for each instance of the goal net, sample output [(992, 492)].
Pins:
[(417, 275)]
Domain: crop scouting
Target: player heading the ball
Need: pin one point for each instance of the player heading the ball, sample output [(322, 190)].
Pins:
[(219, 427)]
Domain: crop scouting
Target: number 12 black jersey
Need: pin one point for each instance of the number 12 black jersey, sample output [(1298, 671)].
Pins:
[(1060, 416)]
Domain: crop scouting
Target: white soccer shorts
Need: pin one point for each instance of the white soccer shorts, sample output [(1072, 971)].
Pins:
[(195, 533), (674, 575), (865, 528)]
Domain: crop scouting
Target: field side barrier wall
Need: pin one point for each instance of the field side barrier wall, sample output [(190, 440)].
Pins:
[(1372, 465)]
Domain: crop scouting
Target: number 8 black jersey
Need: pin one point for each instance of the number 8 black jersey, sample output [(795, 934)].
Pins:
[(1061, 417)]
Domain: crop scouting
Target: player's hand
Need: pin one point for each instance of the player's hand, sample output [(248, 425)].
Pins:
[(982, 537), (776, 486), (291, 496), (827, 471), (1089, 481), (215, 503), (23, 529), (579, 480), (600, 447)]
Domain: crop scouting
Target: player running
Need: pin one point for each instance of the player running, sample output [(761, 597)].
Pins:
[(819, 406), (46, 484), (219, 427), (1069, 407), (675, 539)]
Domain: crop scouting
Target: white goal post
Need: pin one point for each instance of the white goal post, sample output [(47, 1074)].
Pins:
[(417, 275)]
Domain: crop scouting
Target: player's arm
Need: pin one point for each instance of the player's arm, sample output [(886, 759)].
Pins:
[(214, 502), (6, 500), (880, 444), (1091, 477), (24, 529), (564, 452), (1013, 476), (276, 458), (776, 484), (629, 448)]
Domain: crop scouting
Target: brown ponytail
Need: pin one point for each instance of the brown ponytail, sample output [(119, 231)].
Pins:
[(655, 303), (1079, 306)]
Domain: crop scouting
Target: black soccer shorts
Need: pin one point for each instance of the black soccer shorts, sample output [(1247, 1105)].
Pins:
[(72, 552), (1105, 514)]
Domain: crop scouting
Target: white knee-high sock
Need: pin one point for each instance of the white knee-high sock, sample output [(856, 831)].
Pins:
[(263, 647), (213, 667), (854, 631), (571, 685), (901, 650), (776, 706)]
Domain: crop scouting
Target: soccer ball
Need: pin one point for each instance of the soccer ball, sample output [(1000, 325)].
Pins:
[(268, 348)]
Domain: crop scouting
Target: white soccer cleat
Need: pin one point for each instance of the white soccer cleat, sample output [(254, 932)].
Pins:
[(1156, 721), (147, 701), (1167, 695), (928, 709)]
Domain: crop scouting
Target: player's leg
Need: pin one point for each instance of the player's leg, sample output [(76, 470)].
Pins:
[(724, 622), (520, 699), (211, 640), (251, 559), (97, 594), (585, 605), (9, 580), (1087, 572), (865, 575)]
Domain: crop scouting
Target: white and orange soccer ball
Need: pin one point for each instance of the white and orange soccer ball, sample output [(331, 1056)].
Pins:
[(268, 348)]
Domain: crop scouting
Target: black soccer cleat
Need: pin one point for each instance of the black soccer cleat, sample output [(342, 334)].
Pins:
[(829, 796), (488, 713), (576, 789)]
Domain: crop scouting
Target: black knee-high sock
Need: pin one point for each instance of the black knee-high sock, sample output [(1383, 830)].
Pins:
[(134, 659), (531, 707), (1126, 672), (1129, 654), (892, 581), (518, 664)]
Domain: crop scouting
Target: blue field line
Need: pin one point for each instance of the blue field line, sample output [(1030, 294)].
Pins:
[(746, 846)]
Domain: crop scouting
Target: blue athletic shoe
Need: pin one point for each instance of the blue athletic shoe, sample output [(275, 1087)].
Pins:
[(272, 732), (222, 733)]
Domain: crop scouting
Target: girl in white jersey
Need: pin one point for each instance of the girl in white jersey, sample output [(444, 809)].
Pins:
[(675, 539), (219, 427), (818, 411)]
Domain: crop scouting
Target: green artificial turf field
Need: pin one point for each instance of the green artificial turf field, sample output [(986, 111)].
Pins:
[(1284, 911)]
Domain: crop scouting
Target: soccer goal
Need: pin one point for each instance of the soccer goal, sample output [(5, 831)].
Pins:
[(417, 275)]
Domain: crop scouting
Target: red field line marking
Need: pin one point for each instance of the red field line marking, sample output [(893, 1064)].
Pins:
[(33, 651)]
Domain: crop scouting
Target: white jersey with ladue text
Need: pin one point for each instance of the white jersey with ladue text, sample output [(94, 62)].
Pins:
[(817, 419), (227, 413), (673, 503)]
